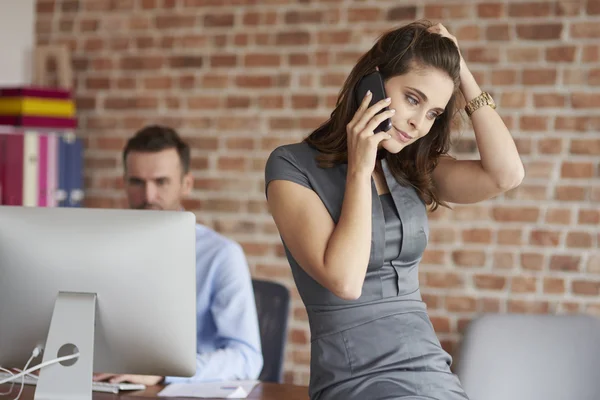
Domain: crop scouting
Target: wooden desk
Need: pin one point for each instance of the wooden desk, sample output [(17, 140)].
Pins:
[(263, 391)]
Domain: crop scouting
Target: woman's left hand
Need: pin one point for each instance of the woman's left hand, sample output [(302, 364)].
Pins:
[(441, 30)]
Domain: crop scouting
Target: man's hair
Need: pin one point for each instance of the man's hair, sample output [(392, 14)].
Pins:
[(155, 138)]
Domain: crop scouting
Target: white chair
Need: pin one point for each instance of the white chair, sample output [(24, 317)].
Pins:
[(531, 357)]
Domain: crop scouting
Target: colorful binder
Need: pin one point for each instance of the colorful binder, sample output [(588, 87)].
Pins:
[(37, 108)]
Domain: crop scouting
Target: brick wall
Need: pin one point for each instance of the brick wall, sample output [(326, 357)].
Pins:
[(238, 79)]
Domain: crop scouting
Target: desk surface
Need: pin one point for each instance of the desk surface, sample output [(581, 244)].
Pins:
[(263, 391)]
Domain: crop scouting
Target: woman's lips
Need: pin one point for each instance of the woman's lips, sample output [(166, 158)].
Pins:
[(402, 136)]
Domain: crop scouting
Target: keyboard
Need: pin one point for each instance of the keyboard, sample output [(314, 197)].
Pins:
[(96, 386)]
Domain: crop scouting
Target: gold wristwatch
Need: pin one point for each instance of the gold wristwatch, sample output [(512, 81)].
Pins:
[(484, 99)]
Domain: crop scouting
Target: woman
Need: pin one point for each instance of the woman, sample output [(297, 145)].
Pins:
[(351, 208)]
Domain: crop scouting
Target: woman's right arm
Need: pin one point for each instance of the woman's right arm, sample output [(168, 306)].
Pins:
[(336, 256)]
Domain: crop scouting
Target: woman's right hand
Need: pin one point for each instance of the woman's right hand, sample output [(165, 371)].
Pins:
[(362, 142)]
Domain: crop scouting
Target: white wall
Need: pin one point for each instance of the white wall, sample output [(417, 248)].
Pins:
[(17, 30)]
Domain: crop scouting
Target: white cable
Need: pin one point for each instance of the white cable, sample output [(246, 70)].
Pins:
[(12, 384), (34, 354), (39, 366)]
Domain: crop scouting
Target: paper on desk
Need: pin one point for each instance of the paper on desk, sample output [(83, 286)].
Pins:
[(215, 390)]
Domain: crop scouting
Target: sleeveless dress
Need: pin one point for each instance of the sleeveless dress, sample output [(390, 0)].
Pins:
[(381, 345)]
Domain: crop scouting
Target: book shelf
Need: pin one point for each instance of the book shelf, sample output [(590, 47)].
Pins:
[(41, 157)]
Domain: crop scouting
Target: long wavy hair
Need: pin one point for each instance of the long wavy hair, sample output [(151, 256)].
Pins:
[(396, 53)]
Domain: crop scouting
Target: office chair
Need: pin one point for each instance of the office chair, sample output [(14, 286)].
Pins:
[(272, 306), (531, 357)]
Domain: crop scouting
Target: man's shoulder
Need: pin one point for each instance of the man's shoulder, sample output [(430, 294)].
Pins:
[(211, 241)]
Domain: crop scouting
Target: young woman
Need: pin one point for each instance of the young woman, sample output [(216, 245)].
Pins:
[(351, 207)]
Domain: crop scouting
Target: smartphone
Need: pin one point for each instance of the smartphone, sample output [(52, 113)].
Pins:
[(374, 83)]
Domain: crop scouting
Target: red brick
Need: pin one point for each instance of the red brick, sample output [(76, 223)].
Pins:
[(530, 9), (402, 13), (238, 102), (565, 263), (589, 217), (441, 324), (579, 240), (533, 123), (544, 238), (219, 20), (461, 304), (158, 83), (585, 30), (515, 214), (490, 10), (561, 54), (554, 285), (262, 60), (468, 258), (539, 77), (585, 288), (571, 193), (593, 264), (305, 101), (142, 63), (434, 257), (364, 14), (489, 305), (203, 103), (539, 169), (504, 261), (568, 7), (477, 236), (334, 37), (590, 53), (498, 32), (510, 237), (485, 55), (578, 170), (532, 261), (550, 146), (513, 99), (291, 38), (443, 280), (489, 282), (549, 100), (523, 284), (503, 77), (547, 31), (558, 216), (175, 21), (585, 100), (528, 307), (216, 61), (592, 7)]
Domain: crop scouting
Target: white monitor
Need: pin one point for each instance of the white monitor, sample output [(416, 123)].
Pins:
[(119, 285)]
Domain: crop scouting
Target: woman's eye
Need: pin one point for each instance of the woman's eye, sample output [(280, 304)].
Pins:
[(433, 115), (412, 100)]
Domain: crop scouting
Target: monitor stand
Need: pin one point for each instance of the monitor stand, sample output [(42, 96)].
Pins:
[(71, 330)]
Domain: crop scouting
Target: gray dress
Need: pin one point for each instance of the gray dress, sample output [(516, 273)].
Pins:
[(381, 345)]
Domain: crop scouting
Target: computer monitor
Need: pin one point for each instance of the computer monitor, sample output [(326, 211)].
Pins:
[(120, 285)]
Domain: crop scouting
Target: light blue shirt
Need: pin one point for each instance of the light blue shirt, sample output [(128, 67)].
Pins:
[(229, 345)]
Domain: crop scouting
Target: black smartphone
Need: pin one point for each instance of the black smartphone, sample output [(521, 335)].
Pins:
[(374, 83)]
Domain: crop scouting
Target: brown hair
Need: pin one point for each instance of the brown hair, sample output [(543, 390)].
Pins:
[(155, 138), (396, 53)]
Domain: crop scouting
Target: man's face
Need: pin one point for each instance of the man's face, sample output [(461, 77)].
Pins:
[(155, 180)]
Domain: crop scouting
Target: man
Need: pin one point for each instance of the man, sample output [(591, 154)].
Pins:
[(157, 177)]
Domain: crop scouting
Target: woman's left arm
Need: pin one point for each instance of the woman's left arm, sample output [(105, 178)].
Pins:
[(499, 168)]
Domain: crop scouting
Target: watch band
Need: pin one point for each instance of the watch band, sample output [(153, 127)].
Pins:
[(484, 99)]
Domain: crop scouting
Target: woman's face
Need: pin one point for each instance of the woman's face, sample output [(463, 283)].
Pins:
[(419, 97)]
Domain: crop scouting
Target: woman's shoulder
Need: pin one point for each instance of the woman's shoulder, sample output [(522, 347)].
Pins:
[(299, 151)]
